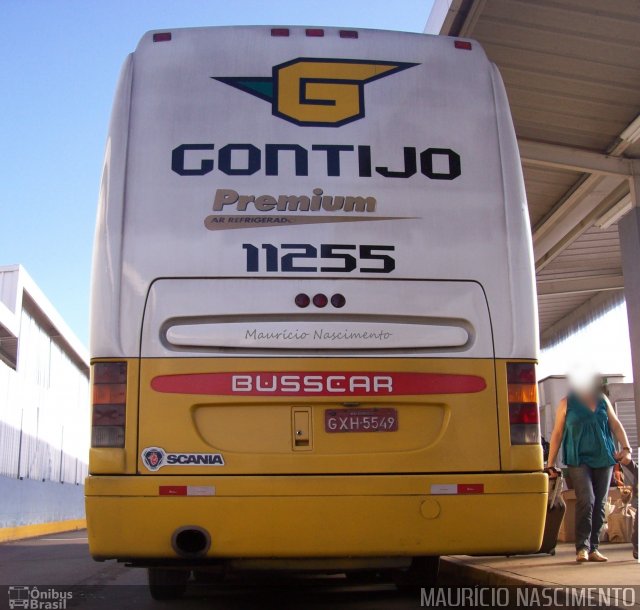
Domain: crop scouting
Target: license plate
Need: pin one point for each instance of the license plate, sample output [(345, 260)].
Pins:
[(361, 420)]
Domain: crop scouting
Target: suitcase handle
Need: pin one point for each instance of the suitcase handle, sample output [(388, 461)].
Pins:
[(556, 488)]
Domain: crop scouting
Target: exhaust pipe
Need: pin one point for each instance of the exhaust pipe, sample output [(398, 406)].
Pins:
[(191, 541)]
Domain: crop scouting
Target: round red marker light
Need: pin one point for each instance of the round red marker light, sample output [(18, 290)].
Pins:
[(302, 300), (338, 300), (320, 300)]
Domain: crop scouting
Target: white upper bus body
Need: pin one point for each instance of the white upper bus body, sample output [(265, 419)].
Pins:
[(244, 170)]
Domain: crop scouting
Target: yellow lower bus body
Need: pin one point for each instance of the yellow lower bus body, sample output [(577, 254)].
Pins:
[(318, 516), (448, 481)]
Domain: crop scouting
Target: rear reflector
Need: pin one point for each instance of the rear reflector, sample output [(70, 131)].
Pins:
[(109, 398), (279, 31), (172, 490), (348, 34), (462, 44), (162, 37), (314, 32), (186, 490), (470, 488), (524, 418), (453, 489)]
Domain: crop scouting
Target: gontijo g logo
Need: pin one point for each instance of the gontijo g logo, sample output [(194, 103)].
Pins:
[(316, 92)]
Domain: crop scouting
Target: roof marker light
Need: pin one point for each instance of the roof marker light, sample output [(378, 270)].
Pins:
[(280, 31), (314, 32), (162, 36), (462, 44), (348, 34)]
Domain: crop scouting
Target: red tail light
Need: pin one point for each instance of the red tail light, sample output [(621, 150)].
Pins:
[(280, 31), (314, 32), (524, 418), (109, 404), (523, 413)]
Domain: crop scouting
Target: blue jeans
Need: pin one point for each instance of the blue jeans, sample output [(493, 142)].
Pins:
[(591, 486)]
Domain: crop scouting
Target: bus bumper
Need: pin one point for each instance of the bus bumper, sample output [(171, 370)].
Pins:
[(135, 517)]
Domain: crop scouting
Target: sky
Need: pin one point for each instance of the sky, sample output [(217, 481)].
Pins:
[(59, 62)]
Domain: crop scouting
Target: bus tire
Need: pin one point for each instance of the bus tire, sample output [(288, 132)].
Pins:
[(167, 584), (422, 574)]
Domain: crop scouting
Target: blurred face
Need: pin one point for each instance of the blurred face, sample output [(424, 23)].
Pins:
[(584, 379)]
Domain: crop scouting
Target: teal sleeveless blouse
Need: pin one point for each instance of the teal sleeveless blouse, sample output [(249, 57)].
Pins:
[(587, 438)]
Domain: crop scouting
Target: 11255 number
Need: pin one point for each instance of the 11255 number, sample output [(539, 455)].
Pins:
[(334, 258)]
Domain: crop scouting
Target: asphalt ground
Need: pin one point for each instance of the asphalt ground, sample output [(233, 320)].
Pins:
[(60, 569)]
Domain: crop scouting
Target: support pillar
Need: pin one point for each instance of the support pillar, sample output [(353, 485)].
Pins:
[(629, 231)]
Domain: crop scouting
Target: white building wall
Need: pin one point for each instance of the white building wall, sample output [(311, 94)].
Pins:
[(44, 408)]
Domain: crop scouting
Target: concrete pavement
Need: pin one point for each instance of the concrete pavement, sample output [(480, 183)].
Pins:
[(560, 570)]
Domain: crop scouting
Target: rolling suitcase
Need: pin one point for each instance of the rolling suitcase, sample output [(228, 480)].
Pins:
[(556, 508)]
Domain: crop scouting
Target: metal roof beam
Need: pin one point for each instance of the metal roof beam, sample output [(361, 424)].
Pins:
[(542, 154), (580, 210), (596, 283)]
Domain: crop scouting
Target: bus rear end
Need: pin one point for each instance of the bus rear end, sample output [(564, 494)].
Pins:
[(313, 319)]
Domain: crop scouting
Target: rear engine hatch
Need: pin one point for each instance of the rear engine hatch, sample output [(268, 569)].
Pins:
[(236, 378)]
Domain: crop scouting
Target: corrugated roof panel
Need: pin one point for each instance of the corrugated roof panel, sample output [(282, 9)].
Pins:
[(571, 69), (554, 307), (614, 25), (544, 188), (596, 251)]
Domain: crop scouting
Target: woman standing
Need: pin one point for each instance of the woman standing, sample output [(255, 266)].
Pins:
[(585, 421)]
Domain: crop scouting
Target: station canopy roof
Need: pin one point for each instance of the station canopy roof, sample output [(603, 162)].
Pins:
[(572, 73)]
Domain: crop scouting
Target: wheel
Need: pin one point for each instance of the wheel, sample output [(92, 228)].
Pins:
[(422, 574), (167, 584)]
